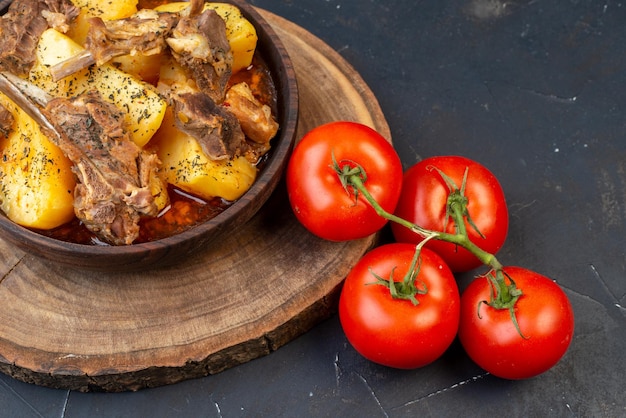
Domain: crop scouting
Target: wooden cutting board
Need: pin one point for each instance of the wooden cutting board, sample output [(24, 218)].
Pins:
[(239, 299)]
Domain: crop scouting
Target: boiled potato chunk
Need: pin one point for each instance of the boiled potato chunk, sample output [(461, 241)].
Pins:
[(36, 181), (241, 34), (143, 67), (158, 189), (173, 77), (144, 108), (186, 166), (105, 9)]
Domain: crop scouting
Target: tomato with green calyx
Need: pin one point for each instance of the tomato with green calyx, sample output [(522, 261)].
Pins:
[(428, 197), (524, 339), (329, 208), (414, 328)]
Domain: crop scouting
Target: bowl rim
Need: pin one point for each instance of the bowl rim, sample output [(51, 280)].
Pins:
[(286, 86)]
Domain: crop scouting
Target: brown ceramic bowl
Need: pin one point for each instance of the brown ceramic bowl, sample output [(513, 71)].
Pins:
[(176, 248)]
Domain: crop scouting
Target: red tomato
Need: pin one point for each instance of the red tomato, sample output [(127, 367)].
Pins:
[(492, 341), (317, 197), (423, 202), (395, 332)]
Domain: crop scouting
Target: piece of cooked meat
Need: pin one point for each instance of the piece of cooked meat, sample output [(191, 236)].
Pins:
[(216, 129), (114, 174), (199, 44), (195, 8), (144, 32), (22, 25), (255, 118), (6, 122)]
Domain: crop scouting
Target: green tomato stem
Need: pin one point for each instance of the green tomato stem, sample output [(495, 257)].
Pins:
[(460, 238)]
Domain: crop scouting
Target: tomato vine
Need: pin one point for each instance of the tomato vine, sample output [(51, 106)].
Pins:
[(400, 304), (503, 296)]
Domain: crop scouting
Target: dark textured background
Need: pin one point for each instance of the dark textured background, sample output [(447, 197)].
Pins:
[(535, 91)]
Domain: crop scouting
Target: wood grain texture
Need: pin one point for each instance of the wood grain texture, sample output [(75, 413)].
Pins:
[(238, 299)]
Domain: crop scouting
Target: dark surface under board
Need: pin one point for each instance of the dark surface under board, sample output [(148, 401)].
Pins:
[(535, 91)]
